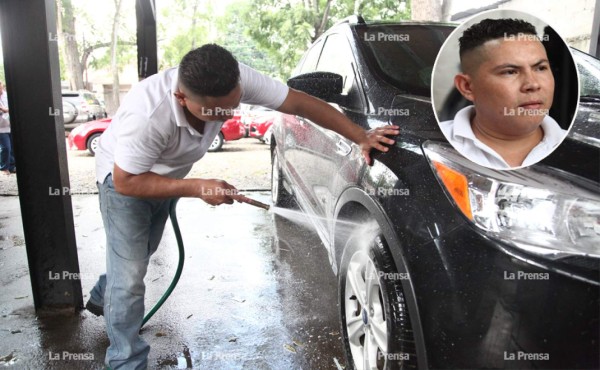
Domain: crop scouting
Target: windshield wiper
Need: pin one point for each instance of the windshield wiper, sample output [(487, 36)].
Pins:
[(589, 98)]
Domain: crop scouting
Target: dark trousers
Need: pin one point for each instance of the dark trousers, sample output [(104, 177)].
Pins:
[(7, 158)]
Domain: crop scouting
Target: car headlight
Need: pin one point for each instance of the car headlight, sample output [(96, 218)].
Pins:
[(539, 209)]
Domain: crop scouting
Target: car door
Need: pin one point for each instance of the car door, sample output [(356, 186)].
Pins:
[(297, 132), (322, 153)]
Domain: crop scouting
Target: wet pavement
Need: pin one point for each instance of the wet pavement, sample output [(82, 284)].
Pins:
[(256, 292)]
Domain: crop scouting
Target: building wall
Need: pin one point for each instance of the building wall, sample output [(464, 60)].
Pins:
[(572, 19)]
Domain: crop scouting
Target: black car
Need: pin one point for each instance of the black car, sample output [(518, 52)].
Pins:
[(442, 263)]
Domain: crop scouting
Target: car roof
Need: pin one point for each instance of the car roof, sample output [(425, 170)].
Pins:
[(356, 20)]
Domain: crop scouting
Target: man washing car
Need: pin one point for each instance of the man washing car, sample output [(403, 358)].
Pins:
[(165, 124)]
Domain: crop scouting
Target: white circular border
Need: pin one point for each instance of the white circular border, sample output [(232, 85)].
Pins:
[(475, 19)]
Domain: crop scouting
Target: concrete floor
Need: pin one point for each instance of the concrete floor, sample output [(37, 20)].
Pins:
[(257, 292)]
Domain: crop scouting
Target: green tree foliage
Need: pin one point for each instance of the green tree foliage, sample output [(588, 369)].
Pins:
[(184, 25), (187, 24), (285, 28), (235, 37)]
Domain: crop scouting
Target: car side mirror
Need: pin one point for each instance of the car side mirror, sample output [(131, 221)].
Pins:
[(323, 85)]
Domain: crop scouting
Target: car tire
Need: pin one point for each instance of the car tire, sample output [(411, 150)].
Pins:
[(279, 195), (217, 143), (92, 143), (69, 112), (376, 328)]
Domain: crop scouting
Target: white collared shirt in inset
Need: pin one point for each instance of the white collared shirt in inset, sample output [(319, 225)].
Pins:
[(459, 133)]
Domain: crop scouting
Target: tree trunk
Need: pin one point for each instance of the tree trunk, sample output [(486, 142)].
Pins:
[(446, 6), (194, 13), (357, 6), (67, 35), (320, 26), (113, 51)]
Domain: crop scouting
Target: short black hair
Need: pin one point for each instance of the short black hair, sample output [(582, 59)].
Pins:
[(209, 70), (491, 29)]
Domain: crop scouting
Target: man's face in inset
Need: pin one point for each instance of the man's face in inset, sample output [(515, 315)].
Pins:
[(510, 82)]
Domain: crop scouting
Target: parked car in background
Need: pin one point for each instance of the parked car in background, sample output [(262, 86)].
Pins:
[(87, 105), (86, 136), (257, 121), (260, 126), (233, 129), (456, 266), (69, 112)]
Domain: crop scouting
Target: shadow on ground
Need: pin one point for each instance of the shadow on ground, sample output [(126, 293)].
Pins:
[(256, 293)]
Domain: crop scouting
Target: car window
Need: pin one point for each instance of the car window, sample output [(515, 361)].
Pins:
[(337, 58), (589, 73), (404, 54), (309, 63)]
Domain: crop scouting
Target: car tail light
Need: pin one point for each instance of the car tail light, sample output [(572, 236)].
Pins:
[(539, 209)]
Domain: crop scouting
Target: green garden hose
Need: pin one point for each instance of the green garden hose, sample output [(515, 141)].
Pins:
[(173, 217)]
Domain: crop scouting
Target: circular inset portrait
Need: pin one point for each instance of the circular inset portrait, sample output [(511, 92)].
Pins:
[(505, 89)]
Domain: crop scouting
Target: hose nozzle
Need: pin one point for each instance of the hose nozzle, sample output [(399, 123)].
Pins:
[(255, 203)]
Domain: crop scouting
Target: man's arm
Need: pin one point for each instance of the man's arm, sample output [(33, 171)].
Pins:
[(321, 113), (152, 185)]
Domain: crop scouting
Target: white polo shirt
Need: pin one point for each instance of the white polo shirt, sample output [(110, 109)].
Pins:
[(150, 132), (461, 136)]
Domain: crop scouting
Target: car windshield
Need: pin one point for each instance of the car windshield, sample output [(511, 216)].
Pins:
[(589, 74), (404, 54)]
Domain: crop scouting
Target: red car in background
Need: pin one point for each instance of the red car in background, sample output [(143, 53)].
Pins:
[(233, 129), (261, 119), (86, 136)]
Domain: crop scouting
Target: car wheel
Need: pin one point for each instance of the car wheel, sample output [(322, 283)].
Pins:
[(279, 196), (375, 324), (92, 143), (69, 112), (217, 143)]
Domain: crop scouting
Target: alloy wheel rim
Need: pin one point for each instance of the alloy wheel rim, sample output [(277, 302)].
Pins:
[(215, 143), (365, 316), (94, 143)]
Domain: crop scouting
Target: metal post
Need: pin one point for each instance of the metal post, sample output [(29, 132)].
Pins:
[(29, 43), (595, 37), (145, 11)]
